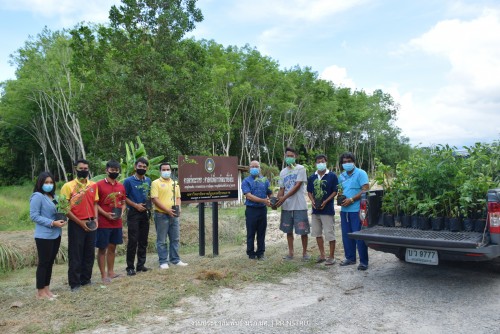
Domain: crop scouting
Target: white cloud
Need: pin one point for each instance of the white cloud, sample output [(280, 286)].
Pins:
[(337, 75), (291, 10), (67, 12), (467, 107)]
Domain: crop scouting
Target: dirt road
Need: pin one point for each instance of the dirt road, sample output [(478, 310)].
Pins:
[(391, 297)]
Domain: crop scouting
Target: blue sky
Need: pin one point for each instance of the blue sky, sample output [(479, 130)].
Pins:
[(440, 60)]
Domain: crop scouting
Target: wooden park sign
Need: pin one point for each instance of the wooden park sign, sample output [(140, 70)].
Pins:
[(208, 179)]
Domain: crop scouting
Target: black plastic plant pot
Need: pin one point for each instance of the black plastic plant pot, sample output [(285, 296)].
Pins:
[(405, 221), (148, 204), (437, 223), (479, 225), (317, 203), (273, 201), (468, 224), (455, 224), (447, 223), (423, 223), (340, 199), (380, 221), (61, 216), (175, 208), (397, 220), (117, 212), (388, 220), (414, 222), (91, 225)]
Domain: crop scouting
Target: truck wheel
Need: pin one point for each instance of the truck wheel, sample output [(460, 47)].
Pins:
[(401, 256), (495, 265)]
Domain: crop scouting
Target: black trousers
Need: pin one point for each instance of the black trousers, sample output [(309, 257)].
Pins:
[(47, 252), (256, 222), (81, 255), (138, 230)]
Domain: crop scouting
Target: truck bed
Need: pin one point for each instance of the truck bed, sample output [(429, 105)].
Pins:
[(424, 238)]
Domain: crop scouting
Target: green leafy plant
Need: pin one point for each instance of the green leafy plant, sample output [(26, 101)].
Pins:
[(319, 188), (63, 205)]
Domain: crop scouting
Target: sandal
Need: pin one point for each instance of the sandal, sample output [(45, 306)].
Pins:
[(287, 257), (320, 260), (330, 261)]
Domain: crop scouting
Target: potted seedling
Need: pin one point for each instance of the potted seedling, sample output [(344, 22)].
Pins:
[(146, 190), (116, 204), (340, 196), (63, 206), (77, 200), (175, 207), (319, 192)]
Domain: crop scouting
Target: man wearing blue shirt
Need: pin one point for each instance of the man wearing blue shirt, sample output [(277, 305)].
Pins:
[(257, 191), (323, 217), (354, 182), (137, 188)]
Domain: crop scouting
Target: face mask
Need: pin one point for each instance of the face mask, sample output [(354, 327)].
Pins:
[(289, 161), (166, 174), (113, 176), (321, 166), (140, 171), (254, 171), (348, 166), (47, 187), (82, 174)]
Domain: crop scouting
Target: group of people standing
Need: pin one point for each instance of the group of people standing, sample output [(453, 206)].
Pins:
[(92, 222), (293, 184)]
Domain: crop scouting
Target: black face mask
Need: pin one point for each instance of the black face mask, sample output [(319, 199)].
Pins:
[(113, 176), (140, 171), (82, 174)]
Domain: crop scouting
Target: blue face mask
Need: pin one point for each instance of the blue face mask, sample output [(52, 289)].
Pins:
[(166, 174), (47, 187), (254, 171), (321, 166), (348, 166)]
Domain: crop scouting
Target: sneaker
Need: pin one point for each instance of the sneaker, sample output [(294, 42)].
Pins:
[(347, 262), (76, 289), (261, 258), (330, 261), (180, 264), (362, 267), (252, 257), (143, 269), (164, 266), (130, 272)]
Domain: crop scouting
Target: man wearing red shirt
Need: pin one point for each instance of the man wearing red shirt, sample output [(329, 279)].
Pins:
[(109, 233)]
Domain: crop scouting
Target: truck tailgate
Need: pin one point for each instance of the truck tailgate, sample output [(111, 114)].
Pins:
[(424, 238)]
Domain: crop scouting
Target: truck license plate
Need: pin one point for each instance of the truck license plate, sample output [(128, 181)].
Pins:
[(422, 256)]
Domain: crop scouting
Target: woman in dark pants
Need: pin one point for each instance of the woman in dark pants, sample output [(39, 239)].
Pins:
[(47, 231)]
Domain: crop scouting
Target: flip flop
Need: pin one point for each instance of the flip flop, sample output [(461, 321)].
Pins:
[(287, 257), (320, 260), (116, 276)]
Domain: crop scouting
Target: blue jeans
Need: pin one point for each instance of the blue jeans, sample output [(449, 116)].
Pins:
[(166, 225), (350, 222)]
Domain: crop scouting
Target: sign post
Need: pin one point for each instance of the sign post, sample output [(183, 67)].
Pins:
[(208, 179)]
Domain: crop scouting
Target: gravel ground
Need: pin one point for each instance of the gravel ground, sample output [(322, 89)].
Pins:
[(391, 297)]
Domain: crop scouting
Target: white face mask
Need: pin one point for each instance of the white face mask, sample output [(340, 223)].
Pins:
[(166, 174)]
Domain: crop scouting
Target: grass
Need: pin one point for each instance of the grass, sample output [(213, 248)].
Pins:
[(151, 293), (15, 208)]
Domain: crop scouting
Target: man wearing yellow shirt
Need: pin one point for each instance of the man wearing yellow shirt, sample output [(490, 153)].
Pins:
[(83, 196), (164, 197)]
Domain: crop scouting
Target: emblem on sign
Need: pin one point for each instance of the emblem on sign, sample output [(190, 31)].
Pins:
[(209, 165)]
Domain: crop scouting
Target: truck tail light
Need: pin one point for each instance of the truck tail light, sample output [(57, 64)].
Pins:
[(494, 217), (363, 211)]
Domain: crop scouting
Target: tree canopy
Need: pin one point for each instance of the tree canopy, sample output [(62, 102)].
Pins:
[(86, 91)]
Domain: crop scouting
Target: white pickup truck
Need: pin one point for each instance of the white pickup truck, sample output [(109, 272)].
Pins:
[(428, 246)]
